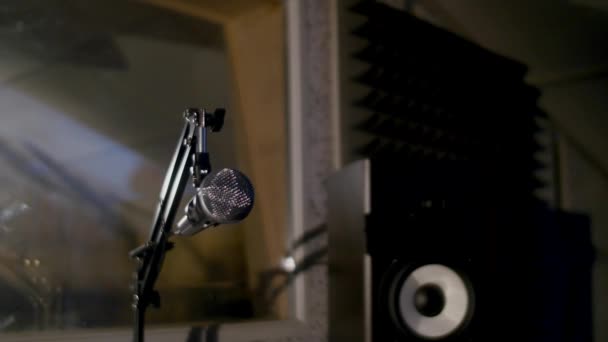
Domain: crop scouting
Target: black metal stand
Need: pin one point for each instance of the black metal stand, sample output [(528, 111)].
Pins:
[(190, 153)]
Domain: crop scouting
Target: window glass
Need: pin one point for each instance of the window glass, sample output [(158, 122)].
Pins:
[(91, 95)]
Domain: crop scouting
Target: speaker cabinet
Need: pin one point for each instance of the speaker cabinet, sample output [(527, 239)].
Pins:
[(432, 252)]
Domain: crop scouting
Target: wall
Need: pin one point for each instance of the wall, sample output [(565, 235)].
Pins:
[(584, 178)]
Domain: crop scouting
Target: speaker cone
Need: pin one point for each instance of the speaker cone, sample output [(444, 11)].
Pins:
[(431, 301)]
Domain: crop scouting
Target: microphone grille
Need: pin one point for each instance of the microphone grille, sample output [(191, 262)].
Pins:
[(227, 196)]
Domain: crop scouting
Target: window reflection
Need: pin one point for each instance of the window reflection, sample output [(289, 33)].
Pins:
[(90, 101)]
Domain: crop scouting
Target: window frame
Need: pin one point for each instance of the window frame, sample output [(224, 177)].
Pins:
[(297, 325)]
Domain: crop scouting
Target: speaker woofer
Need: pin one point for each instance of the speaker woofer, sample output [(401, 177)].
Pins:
[(431, 301)]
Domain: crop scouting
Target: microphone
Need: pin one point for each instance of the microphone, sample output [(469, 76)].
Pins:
[(223, 197)]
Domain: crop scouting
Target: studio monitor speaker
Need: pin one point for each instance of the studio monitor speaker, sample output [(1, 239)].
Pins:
[(430, 251)]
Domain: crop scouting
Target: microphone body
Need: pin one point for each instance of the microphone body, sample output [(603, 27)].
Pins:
[(224, 197)]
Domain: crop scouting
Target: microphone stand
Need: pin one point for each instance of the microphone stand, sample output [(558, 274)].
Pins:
[(190, 153)]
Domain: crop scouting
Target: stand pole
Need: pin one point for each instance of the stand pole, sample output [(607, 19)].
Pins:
[(140, 316)]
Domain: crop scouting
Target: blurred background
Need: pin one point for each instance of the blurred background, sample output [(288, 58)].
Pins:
[(91, 96)]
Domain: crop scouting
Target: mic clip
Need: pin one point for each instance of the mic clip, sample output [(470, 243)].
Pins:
[(200, 117), (200, 120)]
